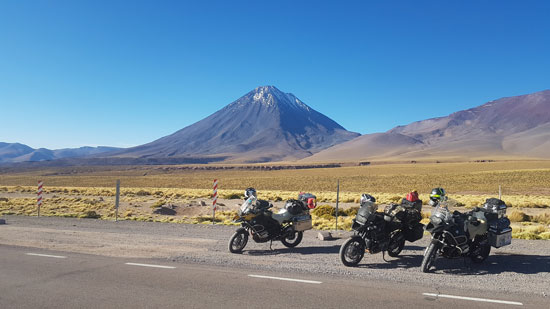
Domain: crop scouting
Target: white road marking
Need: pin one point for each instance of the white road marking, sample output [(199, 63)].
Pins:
[(150, 265), (475, 299), (286, 279), (47, 255)]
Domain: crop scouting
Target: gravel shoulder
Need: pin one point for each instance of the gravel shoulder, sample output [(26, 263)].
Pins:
[(522, 267)]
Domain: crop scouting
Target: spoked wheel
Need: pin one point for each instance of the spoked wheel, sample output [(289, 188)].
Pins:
[(352, 251), (292, 239), (480, 251), (396, 245), (429, 256), (238, 241)]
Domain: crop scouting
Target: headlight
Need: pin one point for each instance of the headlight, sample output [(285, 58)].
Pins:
[(501, 213)]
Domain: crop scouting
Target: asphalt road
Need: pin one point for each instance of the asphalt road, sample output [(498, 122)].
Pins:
[(38, 278)]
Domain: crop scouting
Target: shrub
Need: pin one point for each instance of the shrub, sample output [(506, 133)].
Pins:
[(542, 218), (319, 211), (158, 203), (352, 211), (90, 214), (232, 196), (395, 198), (142, 193), (518, 216)]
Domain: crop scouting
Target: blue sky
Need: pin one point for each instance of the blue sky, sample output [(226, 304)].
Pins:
[(124, 73)]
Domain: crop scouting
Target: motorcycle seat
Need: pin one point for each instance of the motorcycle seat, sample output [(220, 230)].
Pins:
[(282, 216)]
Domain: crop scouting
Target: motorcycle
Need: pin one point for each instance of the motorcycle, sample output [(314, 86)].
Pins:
[(470, 234), (258, 221), (376, 232)]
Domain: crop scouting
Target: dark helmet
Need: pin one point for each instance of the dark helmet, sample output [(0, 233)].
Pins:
[(250, 192), (367, 198), (438, 194)]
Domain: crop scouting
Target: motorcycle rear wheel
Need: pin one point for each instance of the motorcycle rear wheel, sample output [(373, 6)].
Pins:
[(352, 251), (429, 257), (293, 240), (481, 253), (396, 245), (238, 241)]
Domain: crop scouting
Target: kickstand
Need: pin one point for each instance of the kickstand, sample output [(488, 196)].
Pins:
[(384, 256), (270, 244)]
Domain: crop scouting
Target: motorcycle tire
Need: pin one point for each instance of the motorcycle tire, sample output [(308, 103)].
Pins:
[(238, 241), (294, 240), (396, 245), (352, 251), (481, 253), (429, 257)]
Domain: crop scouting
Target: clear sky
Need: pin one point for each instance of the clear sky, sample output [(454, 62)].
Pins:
[(124, 73)]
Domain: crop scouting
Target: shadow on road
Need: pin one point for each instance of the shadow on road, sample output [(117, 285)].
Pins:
[(299, 250), (495, 264), (402, 261)]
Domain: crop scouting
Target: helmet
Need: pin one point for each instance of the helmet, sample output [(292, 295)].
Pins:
[(250, 192), (412, 196), (438, 194), (367, 198)]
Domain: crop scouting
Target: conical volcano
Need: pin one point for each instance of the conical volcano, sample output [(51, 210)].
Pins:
[(265, 124)]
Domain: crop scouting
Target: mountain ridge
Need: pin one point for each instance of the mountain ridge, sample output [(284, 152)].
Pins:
[(503, 128)]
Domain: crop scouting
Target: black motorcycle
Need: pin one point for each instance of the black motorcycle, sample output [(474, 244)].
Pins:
[(376, 232), (470, 234), (258, 221)]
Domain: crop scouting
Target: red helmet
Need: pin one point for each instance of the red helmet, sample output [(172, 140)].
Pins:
[(412, 196)]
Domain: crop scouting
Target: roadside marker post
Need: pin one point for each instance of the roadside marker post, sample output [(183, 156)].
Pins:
[(214, 199), (337, 198), (117, 199), (39, 196)]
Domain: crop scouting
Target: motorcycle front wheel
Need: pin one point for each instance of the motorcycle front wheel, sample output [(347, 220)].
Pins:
[(238, 241), (293, 239), (429, 257), (396, 245), (352, 251)]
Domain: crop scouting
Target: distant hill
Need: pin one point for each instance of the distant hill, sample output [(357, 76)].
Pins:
[(15, 152), (265, 124), (512, 127)]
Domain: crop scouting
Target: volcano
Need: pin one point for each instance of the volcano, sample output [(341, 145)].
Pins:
[(264, 125)]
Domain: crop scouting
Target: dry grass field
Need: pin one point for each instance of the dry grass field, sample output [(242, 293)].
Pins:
[(89, 191)]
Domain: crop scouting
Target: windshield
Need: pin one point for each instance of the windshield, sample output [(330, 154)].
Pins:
[(248, 205), (441, 214)]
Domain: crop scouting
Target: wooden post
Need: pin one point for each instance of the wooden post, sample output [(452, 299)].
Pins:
[(117, 199)]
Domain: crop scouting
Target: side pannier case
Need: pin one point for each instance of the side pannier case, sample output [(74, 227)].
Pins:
[(500, 232)]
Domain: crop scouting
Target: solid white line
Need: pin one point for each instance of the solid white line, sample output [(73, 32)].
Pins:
[(475, 299), (286, 279), (150, 265), (47, 255)]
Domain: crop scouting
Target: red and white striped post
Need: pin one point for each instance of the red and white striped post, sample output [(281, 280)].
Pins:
[(39, 195), (214, 199)]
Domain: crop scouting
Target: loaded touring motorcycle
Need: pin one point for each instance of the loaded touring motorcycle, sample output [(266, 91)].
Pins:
[(379, 232), (263, 225), (470, 234)]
